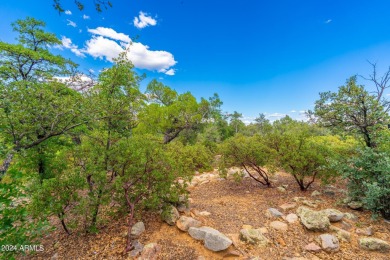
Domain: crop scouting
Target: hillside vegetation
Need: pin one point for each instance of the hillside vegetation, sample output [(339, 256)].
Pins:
[(77, 154)]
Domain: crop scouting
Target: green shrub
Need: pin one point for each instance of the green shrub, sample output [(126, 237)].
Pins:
[(250, 153), (369, 180)]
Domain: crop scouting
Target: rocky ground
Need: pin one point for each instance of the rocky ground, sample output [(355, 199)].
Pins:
[(250, 221)]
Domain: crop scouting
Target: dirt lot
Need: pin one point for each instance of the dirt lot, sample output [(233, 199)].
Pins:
[(231, 205)]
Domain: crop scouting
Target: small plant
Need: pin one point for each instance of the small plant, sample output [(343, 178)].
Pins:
[(238, 176)]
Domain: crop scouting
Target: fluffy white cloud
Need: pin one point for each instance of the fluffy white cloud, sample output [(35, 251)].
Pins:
[(107, 43), (328, 21), (143, 20), (68, 12), (110, 33), (71, 23), (170, 72), (86, 17), (67, 43), (100, 47)]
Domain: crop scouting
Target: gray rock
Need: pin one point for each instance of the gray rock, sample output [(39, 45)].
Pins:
[(313, 220), (374, 244), (272, 212), (334, 215), (345, 225), (329, 243), (329, 192), (364, 231), (200, 233), (253, 236), (312, 247), (341, 233), (170, 215), (356, 205), (351, 216), (279, 225), (309, 203), (291, 218), (216, 242), (150, 252), (138, 247), (182, 208), (137, 229), (184, 223), (287, 206), (213, 239), (315, 193), (204, 213)]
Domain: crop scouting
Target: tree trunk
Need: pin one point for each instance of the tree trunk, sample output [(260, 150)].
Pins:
[(6, 163), (61, 217), (96, 209), (129, 244)]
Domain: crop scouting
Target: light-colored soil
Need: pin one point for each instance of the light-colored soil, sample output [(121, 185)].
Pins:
[(231, 205)]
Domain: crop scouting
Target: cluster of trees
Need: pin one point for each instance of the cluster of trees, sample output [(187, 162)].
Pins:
[(110, 149), (347, 136), (85, 156)]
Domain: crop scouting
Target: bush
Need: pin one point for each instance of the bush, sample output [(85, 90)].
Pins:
[(301, 151), (249, 153), (369, 180)]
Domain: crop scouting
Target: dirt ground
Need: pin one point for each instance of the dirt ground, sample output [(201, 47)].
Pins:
[(231, 205)]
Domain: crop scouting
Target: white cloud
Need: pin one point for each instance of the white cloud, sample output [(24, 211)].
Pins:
[(293, 111), (100, 47), (170, 72), (110, 33), (79, 82), (143, 20), (80, 31), (67, 43), (302, 111), (328, 21), (103, 45), (86, 17), (68, 12), (71, 23), (248, 119), (276, 115)]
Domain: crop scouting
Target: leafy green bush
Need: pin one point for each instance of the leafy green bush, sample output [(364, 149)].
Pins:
[(16, 227), (369, 179), (250, 153), (301, 151), (198, 156)]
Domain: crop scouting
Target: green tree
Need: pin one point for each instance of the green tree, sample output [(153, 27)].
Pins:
[(352, 110), (170, 113), (369, 179), (235, 121), (146, 176), (300, 151), (117, 102), (263, 124), (34, 107), (250, 153)]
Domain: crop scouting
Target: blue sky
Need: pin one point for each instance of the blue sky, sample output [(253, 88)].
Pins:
[(269, 57)]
